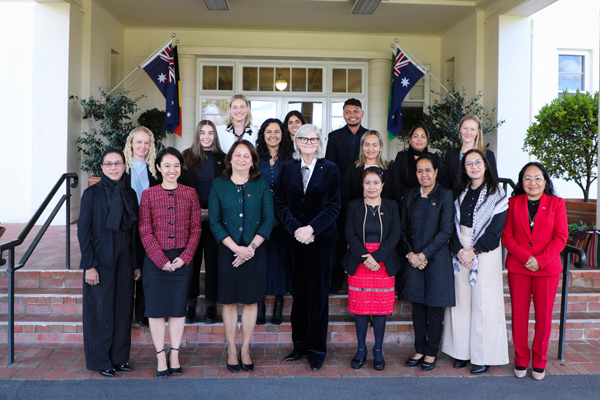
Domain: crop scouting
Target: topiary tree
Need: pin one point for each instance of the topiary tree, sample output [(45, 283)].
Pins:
[(442, 119), (110, 117), (154, 120), (565, 139)]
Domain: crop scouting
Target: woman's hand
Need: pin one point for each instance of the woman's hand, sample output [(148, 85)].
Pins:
[(466, 256), (92, 277), (305, 234), (204, 214), (423, 260), (137, 274), (177, 263), (168, 267), (370, 262), (243, 254), (532, 264), (417, 260)]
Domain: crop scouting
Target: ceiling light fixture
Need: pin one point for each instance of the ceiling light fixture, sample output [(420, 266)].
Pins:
[(281, 83), (217, 4), (365, 6)]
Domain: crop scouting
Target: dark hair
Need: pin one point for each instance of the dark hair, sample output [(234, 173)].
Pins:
[(548, 189), (195, 156), (161, 154), (414, 128), (254, 171), (289, 115), (463, 180), (109, 151), (286, 147), (431, 159), (353, 102), (372, 170)]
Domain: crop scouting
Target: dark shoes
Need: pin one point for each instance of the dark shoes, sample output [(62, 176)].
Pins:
[(294, 355), (315, 365), (245, 367), (143, 322), (163, 373), (190, 316), (235, 368), (378, 362), (479, 369), (428, 366), (356, 362), (277, 311), (107, 372), (123, 367), (211, 315), (261, 317), (460, 363), (174, 371), (413, 362)]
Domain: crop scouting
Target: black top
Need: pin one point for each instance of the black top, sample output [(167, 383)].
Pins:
[(452, 163), (343, 147), (204, 178), (468, 206), (372, 225), (532, 209), (352, 187), (405, 163)]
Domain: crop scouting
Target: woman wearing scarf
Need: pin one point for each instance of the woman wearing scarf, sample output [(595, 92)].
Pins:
[(106, 230), (406, 160), (475, 329)]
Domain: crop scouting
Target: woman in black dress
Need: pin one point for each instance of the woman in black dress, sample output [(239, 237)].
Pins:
[(170, 230), (292, 122), (106, 230), (203, 162), (428, 277), (241, 219)]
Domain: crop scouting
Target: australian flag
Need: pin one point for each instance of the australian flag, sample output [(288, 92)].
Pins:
[(161, 69), (405, 75)]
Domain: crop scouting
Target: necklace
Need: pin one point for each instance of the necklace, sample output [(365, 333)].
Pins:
[(533, 202), (531, 220), (373, 209)]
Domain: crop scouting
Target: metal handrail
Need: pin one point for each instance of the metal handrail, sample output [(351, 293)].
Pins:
[(11, 245), (565, 292), (505, 182)]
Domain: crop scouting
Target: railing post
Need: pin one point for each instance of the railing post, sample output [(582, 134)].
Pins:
[(68, 224), (11, 306), (563, 306)]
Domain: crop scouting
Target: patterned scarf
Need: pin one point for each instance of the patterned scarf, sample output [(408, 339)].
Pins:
[(485, 210)]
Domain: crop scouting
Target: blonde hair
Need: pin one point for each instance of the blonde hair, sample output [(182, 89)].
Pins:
[(381, 162), (248, 120), (128, 151), (479, 138)]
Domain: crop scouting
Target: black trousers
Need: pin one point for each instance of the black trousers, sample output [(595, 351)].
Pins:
[(107, 312), (427, 322), (311, 272), (207, 248), (339, 274)]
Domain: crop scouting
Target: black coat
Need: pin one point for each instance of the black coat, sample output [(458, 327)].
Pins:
[(318, 207), (402, 171), (338, 148), (390, 220), (95, 240), (188, 177), (428, 230), (452, 163), (352, 187)]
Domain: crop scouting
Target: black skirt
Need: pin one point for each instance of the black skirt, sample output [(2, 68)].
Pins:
[(166, 292), (246, 284)]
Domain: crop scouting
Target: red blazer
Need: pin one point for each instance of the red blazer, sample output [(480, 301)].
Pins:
[(545, 242), (170, 220)]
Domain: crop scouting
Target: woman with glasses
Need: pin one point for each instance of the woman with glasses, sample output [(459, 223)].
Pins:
[(475, 329), (534, 236), (107, 230), (307, 203)]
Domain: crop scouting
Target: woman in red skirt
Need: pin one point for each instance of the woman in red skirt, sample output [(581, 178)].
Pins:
[(372, 232)]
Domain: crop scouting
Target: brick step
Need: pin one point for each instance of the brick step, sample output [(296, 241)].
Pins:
[(36, 328)]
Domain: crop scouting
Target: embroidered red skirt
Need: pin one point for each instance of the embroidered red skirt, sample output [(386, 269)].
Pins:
[(371, 292)]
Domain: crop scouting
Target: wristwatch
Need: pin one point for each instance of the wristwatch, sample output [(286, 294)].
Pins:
[(254, 246)]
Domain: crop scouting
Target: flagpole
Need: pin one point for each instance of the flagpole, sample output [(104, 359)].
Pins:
[(425, 80), (424, 68), (141, 74), (142, 63)]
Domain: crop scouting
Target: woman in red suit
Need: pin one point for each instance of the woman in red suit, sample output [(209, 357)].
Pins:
[(534, 235)]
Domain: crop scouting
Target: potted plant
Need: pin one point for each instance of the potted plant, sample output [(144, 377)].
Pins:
[(154, 120), (110, 124), (565, 140)]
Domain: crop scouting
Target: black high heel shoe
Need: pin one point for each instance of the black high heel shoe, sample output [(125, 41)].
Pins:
[(413, 362), (174, 371), (277, 310), (245, 367), (357, 363), (379, 365), (428, 366), (164, 373), (235, 368)]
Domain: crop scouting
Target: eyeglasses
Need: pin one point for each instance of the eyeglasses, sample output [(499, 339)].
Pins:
[(477, 162), (537, 178), (109, 164), (305, 140)]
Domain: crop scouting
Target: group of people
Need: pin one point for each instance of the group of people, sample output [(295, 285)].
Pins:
[(275, 212)]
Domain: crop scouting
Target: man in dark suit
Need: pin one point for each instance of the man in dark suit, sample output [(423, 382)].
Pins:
[(343, 147)]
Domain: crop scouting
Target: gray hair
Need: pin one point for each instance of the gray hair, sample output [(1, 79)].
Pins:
[(304, 130)]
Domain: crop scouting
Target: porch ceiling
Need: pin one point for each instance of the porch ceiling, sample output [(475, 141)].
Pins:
[(415, 17)]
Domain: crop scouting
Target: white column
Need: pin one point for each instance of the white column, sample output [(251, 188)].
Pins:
[(188, 73), (378, 96)]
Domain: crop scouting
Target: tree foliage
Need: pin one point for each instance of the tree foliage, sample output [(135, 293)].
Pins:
[(565, 138), (110, 124), (154, 120)]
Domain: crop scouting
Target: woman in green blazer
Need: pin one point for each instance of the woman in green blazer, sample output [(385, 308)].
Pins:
[(241, 219)]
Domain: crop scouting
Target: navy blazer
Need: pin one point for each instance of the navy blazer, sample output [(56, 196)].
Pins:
[(355, 220), (318, 207), (95, 241)]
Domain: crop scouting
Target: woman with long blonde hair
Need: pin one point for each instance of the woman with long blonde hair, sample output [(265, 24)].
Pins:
[(239, 121)]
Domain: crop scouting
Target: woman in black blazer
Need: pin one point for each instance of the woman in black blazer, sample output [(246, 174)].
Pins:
[(471, 137), (371, 155), (140, 174), (203, 162), (372, 231), (405, 165), (307, 203), (107, 230)]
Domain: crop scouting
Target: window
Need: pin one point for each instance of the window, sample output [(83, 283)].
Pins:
[(346, 80), (571, 72)]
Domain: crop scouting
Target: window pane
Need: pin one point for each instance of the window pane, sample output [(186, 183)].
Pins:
[(250, 78), (338, 81), (225, 78), (215, 111), (354, 81), (337, 115), (570, 82), (262, 110), (267, 81), (284, 74), (315, 80), (209, 77), (570, 64), (298, 79)]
